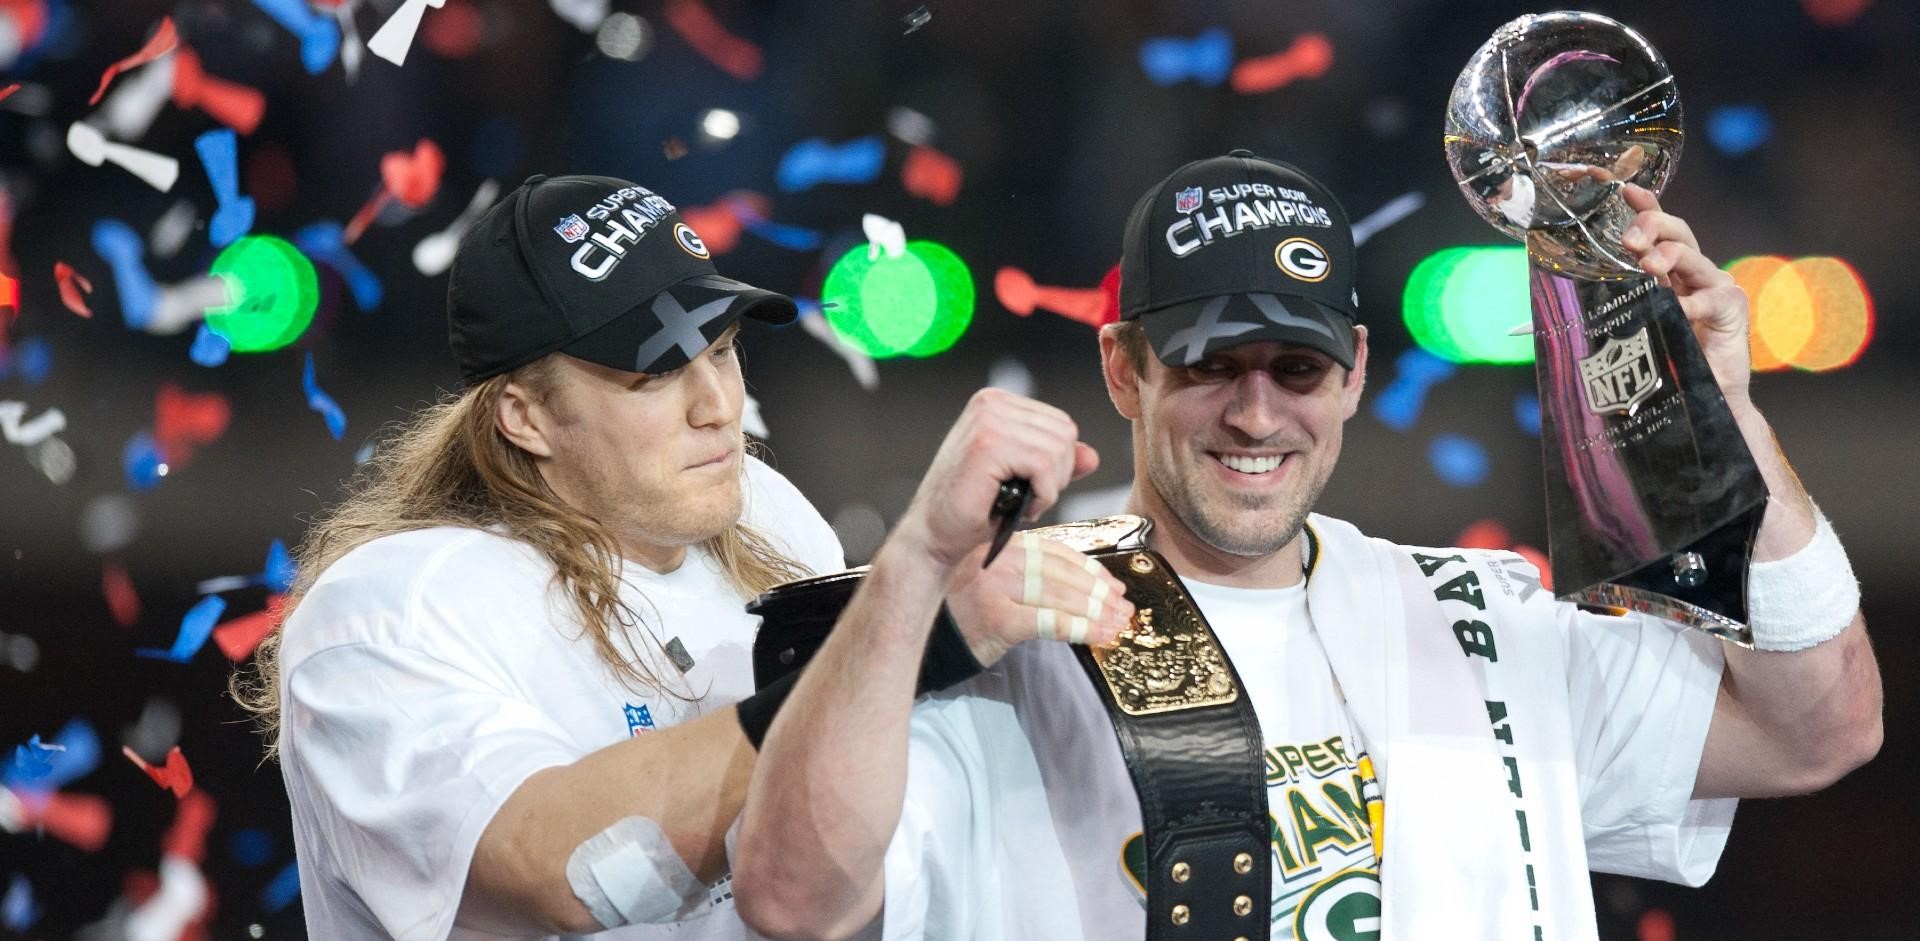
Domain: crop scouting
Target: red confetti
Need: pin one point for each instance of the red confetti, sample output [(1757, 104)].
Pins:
[(183, 421), (411, 178), (1484, 534), (238, 637), (1310, 56), (164, 40), (7, 263), (29, 19), (696, 24), (456, 31), (74, 288), (1832, 13), (10, 293), (173, 776), (230, 103), (932, 175), (1493, 534), (718, 226), (1656, 925), (414, 178), (122, 602), (8, 91), (187, 838), (1018, 293), (82, 820), (1110, 286)]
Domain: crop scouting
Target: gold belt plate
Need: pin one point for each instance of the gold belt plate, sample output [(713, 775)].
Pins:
[(1166, 659)]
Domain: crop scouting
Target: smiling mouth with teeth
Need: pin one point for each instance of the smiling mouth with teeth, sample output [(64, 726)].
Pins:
[(1250, 465)]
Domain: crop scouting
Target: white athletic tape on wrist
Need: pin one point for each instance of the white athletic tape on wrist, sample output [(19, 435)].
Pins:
[(1043, 623), (629, 874), (1806, 598), (1030, 592)]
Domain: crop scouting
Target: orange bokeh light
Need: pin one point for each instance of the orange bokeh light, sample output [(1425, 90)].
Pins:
[(1844, 314), (1752, 274), (1811, 313)]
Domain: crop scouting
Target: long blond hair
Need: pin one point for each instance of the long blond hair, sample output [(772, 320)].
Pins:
[(451, 466)]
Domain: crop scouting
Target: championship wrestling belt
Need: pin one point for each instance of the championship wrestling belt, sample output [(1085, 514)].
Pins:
[(1186, 728)]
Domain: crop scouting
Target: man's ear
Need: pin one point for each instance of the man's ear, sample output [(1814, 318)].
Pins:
[(523, 420), (1123, 383), (1357, 376)]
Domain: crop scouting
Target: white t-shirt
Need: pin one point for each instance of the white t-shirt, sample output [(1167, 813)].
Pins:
[(427, 674), (1018, 797)]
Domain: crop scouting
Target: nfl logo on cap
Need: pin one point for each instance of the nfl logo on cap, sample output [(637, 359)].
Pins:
[(1187, 200), (572, 228)]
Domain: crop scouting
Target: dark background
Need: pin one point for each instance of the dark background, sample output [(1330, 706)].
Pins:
[(1046, 107)]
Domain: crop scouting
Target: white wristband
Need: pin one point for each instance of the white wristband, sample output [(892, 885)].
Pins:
[(1804, 599)]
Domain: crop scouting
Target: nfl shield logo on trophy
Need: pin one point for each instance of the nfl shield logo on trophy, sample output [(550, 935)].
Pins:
[(572, 228), (1621, 375), (1186, 200)]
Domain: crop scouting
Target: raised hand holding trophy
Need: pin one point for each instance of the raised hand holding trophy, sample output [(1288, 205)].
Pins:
[(1652, 496)]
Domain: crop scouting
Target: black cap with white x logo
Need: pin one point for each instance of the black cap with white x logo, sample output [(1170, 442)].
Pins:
[(593, 267), (1236, 249)]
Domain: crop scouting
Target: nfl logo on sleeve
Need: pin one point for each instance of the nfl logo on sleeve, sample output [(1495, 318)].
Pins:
[(572, 228), (1187, 200), (639, 720)]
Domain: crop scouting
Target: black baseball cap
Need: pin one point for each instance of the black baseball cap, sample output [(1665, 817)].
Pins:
[(593, 267), (1237, 249)]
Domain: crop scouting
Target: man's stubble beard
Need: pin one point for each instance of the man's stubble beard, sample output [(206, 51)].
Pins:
[(1187, 504)]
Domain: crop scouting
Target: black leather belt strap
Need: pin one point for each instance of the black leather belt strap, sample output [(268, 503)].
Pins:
[(1192, 745), (1185, 724)]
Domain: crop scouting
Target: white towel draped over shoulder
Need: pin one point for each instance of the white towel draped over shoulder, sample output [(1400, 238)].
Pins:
[(1587, 727)]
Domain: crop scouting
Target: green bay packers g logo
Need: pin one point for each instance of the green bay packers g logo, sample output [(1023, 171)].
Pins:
[(1304, 259), (1346, 907), (689, 241)]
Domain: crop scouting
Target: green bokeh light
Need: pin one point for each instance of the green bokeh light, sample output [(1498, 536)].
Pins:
[(917, 304), (1461, 303), (272, 290)]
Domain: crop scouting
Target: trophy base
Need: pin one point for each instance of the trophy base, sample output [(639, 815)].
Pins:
[(1610, 595)]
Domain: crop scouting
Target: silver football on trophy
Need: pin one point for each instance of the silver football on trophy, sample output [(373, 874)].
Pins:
[(1546, 123)]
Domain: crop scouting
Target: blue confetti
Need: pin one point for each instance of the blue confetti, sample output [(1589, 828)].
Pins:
[(319, 32), (233, 216), (1526, 412), (140, 459), (815, 161), (281, 892), (325, 242), (252, 847), (210, 349), (123, 250), (17, 909), (1738, 130), (280, 570), (31, 359), (1459, 460), (1416, 370), (72, 755), (195, 627), (1205, 59), (320, 401)]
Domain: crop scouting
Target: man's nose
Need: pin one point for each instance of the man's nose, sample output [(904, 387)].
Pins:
[(708, 402), (1258, 406)]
